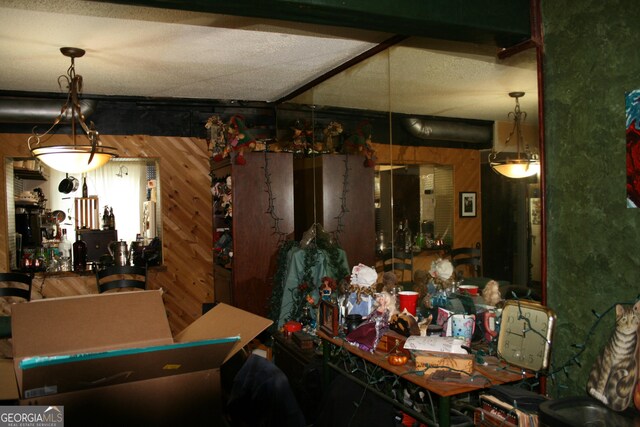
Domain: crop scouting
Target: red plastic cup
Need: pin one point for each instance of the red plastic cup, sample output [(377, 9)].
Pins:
[(408, 300)]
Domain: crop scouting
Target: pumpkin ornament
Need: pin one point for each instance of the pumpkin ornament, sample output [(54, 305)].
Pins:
[(398, 357)]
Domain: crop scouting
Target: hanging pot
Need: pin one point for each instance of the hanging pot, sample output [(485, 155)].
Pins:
[(68, 185)]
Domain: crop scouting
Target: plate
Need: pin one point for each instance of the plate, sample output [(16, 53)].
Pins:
[(59, 215)]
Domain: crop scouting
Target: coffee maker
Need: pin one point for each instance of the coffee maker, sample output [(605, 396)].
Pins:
[(29, 225)]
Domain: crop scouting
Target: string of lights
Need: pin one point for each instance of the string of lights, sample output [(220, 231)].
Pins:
[(343, 200), (271, 205), (574, 358)]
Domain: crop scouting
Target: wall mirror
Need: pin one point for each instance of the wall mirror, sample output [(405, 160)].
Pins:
[(418, 198), (466, 85), (42, 204)]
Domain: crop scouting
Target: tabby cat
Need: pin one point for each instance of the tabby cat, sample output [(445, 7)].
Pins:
[(613, 376)]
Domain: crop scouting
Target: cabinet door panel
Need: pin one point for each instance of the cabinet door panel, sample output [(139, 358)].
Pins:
[(255, 246)]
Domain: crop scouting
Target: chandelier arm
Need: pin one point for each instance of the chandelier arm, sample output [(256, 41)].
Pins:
[(526, 163), (71, 157)]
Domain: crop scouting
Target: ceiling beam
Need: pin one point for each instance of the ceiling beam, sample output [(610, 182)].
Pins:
[(504, 23), (342, 67)]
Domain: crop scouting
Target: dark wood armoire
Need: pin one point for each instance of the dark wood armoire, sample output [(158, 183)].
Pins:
[(277, 196)]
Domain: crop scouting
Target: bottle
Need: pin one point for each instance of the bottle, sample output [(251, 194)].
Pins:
[(408, 238), (64, 246), (399, 237), (85, 190), (112, 220), (105, 218), (79, 254)]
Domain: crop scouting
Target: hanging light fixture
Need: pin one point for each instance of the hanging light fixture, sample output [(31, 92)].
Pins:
[(77, 157), (525, 163)]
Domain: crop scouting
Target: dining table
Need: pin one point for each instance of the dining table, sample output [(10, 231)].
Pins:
[(487, 372)]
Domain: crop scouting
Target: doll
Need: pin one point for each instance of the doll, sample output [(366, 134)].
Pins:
[(491, 293)]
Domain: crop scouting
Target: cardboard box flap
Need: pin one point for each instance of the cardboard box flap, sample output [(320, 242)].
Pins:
[(43, 376), (89, 323), (224, 321), (8, 386)]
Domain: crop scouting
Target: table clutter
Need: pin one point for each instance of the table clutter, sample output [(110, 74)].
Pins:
[(441, 336)]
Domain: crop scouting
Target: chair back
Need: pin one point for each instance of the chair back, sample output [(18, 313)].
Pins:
[(16, 285), (467, 257), (400, 263), (118, 277)]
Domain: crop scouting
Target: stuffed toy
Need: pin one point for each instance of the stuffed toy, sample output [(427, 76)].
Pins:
[(404, 323), (332, 137), (360, 143), (239, 138), (389, 282), (216, 140), (420, 282)]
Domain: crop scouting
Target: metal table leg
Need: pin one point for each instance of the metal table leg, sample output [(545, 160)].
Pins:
[(444, 411)]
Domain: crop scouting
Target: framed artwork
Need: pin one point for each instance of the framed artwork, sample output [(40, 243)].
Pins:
[(632, 107), (468, 204), (328, 321)]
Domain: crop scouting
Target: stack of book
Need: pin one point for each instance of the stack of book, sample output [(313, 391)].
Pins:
[(508, 406)]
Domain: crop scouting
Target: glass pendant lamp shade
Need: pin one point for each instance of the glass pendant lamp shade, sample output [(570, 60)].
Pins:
[(517, 168), (67, 158), (525, 163), (77, 157)]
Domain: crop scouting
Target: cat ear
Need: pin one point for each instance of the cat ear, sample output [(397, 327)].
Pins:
[(636, 307), (619, 310)]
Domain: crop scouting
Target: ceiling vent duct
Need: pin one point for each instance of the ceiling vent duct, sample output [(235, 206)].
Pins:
[(34, 110), (440, 130)]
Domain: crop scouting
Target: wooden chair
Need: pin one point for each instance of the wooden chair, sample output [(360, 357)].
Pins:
[(400, 263), (16, 285), (467, 257), (120, 277)]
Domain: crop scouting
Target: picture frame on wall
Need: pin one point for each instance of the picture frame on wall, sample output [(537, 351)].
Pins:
[(468, 204), (328, 318)]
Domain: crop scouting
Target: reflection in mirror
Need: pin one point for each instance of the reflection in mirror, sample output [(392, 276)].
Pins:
[(48, 204), (458, 81), (422, 206)]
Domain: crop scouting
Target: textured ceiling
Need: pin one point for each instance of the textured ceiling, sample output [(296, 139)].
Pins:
[(136, 51)]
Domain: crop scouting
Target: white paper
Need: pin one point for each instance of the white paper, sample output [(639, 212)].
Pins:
[(435, 343)]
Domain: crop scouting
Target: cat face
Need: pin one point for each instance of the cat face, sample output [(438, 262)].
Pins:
[(628, 318)]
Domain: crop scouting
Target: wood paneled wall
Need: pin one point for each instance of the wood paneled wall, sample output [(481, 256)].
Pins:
[(466, 177), (187, 273)]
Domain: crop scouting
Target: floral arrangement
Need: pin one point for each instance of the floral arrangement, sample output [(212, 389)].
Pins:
[(306, 298), (303, 301), (305, 295)]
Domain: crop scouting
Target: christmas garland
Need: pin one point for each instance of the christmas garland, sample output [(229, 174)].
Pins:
[(275, 302), (311, 256)]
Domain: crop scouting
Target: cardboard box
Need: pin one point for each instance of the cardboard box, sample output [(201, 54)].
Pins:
[(431, 362), (303, 340), (8, 387), (110, 359)]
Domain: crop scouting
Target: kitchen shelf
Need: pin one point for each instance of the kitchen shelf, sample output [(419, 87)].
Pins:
[(28, 174)]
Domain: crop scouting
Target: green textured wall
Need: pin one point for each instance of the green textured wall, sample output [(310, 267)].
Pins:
[(592, 57)]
